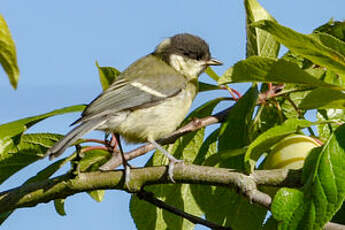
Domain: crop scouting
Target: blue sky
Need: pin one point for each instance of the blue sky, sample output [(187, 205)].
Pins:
[(58, 43)]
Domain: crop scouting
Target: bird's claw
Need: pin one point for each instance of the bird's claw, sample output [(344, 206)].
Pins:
[(127, 170), (171, 167)]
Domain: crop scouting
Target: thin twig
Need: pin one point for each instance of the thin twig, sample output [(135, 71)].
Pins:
[(149, 197)]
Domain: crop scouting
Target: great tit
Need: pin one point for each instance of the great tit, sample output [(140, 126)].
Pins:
[(149, 99)]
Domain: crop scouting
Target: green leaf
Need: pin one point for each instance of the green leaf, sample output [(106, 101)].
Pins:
[(267, 139), (93, 159), (207, 87), (259, 42), (324, 190), (266, 117), (262, 69), (107, 75), (8, 56), (59, 205), (30, 148), (232, 208), (331, 42), (210, 72), (4, 216), (97, 195), (41, 175), (270, 224), (287, 206), (334, 28), (187, 148), (307, 46), (329, 120), (14, 128), (339, 216), (50, 170), (323, 98), (235, 130)]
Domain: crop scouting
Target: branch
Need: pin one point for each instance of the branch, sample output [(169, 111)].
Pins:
[(29, 195), (192, 126)]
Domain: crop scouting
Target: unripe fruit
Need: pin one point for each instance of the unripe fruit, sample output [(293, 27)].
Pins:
[(290, 152)]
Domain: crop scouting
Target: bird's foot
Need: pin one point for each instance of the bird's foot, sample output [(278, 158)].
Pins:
[(171, 166)]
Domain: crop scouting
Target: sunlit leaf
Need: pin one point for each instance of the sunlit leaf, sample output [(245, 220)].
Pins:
[(8, 56), (107, 75), (307, 46), (259, 42), (324, 190)]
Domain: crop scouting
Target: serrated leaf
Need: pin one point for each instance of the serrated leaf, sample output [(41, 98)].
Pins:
[(8, 56), (263, 69), (30, 148), (107, 75), (259, 42), (306, 45), (97, 195), (267, 139), (180, 196), (323, 98), (59, 205), (14, 128)]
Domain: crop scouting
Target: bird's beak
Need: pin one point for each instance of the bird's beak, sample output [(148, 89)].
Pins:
[(213, 61)]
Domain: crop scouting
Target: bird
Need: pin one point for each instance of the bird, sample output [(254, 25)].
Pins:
[(149, 99)]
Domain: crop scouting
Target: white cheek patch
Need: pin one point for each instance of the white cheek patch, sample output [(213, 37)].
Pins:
[(147, 89), (186, 66), (177, 62)]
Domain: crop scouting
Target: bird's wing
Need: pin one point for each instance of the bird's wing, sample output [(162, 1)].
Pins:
[(141, 85)]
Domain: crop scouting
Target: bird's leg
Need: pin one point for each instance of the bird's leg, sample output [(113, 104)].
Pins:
[(126, 166), (172, 159)]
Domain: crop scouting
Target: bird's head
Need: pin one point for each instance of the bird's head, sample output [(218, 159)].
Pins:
[(188, 54)]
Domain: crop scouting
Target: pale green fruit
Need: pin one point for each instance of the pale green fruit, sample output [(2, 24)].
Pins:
[(290, 152)]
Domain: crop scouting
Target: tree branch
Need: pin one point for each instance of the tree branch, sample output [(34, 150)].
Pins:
[(29, 195)]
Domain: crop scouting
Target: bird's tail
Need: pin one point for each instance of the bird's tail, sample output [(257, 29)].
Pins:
[(73, 136)]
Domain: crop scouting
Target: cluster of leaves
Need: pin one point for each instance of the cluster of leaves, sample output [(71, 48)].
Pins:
[(310, 76)]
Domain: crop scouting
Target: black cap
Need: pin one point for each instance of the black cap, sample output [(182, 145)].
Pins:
[(184, 44)]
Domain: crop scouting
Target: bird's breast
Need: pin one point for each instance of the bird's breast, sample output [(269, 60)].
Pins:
[(156, 121)]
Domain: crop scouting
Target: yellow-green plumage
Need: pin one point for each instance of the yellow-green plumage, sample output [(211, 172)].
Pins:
[(150, 98)]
